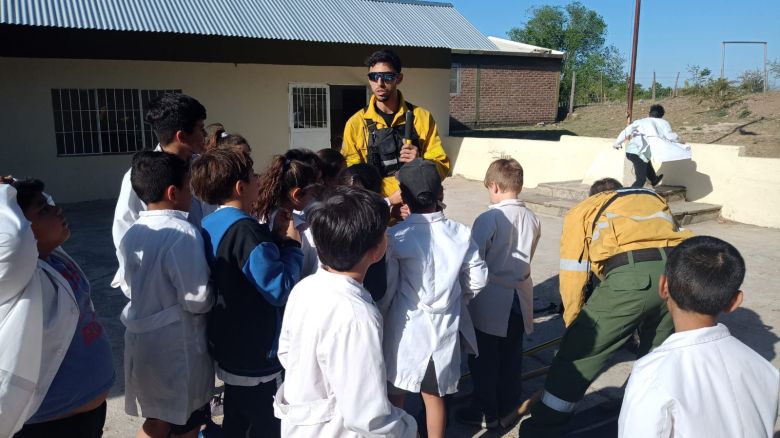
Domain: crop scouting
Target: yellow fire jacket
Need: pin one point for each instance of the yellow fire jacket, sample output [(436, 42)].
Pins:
[(355, 146), (606, 224)]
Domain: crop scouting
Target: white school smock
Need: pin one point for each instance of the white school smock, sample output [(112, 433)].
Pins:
[(331, 349), (433, 271), (507, 235), (163, 270), (32, 295), (701, 383), (653, 138)]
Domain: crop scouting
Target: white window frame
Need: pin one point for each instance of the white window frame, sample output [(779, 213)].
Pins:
[(291, 114), (456, 69)]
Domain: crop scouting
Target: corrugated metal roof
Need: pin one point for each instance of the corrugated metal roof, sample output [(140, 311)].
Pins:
[(379, 22)]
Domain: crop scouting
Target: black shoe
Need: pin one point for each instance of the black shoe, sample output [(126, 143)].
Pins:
[(472, 416), (657, 180)]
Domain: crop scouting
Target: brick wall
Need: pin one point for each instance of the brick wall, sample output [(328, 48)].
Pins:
[(513, 91)]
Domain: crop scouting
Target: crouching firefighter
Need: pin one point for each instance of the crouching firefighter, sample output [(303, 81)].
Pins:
[(621, 236), (390, 131)]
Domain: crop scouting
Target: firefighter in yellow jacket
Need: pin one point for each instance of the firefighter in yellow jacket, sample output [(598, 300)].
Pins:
[(615, 242), (377, 134)]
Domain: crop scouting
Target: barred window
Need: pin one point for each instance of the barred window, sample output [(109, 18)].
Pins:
[(102, 121), (310, 107)]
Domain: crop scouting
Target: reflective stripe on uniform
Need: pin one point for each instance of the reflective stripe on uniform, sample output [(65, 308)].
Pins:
[(657, 215), (557, 404), (575, 265), (599, 226)]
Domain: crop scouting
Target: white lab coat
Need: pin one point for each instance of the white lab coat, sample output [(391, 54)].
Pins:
[(331, 348), (433, 271), (507, 235), (163, 270), (653, 137), (33, 296), (701, 383)]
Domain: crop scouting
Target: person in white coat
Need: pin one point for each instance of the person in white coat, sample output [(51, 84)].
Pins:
[(164, 272), (331, 338), (21, 315), (55, 359), (433, 270), (651, 137), (177, 120), (701, 381), (507, 235)]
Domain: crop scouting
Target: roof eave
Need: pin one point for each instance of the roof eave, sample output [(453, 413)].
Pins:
[(508, 54)]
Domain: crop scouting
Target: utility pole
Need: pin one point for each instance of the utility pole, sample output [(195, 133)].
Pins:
[(632, 75), (653, 86), (675, 84), (601, 87), (766, 75), (723, 59), (571, 96)]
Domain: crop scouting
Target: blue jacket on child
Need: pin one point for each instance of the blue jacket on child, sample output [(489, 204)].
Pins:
[(252, 278)]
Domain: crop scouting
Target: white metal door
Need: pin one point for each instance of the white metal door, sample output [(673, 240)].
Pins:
[(309, 116)]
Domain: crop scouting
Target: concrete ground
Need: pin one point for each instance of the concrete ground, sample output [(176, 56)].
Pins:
[(757, 323)]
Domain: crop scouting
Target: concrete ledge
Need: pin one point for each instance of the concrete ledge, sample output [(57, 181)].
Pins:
[(746, 187)]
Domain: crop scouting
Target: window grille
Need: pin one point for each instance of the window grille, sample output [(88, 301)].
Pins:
[(102, 121), (310, 107)]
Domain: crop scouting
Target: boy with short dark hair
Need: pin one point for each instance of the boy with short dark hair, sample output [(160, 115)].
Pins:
[(651, 138), (177, 120), (55, 359), (331, 341), (433, 271), (164, 272), (507, 235), (254, 268), (701, 381)]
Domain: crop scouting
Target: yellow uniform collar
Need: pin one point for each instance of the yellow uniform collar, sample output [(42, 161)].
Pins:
[(398, 118)]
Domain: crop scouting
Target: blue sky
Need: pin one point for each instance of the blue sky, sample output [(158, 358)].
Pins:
[(672, 33)]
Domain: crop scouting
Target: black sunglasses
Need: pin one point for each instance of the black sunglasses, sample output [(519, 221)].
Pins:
[(385, 76)]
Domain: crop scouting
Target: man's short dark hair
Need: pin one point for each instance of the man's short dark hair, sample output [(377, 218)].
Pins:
[(27, 190), (348, 223), (604, 185), (704, 274), (657, 111), (173, 112), (385, 56), (215, 174), (153, 172)]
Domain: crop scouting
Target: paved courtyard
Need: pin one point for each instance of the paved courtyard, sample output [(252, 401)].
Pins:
[(757, 323)]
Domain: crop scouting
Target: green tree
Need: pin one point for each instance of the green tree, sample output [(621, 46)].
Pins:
[(581, 33)]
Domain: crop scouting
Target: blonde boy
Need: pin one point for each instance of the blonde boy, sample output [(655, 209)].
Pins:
[(507, 235)]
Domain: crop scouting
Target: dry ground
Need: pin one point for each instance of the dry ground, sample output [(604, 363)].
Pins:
[(752, 121)]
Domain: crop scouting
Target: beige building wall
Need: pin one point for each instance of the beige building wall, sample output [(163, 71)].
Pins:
[(251, 99), (746, 187)]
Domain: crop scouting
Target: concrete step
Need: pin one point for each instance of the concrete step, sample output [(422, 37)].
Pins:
[(694, 212), (576, 191), (685, 212)]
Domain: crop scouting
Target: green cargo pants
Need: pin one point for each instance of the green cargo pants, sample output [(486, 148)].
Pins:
[(627, 300)]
